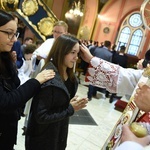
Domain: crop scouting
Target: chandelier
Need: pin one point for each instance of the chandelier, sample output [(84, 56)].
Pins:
[(76, 10)]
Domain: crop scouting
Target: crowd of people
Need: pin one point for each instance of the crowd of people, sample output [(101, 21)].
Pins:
[(49, 69), (14, 95)]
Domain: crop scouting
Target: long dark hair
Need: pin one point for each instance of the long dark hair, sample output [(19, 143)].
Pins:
[(61, 47), (6, 63)]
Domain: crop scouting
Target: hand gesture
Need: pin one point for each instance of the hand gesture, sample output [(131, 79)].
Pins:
[(45, 75), (77, 103), (127, 135)]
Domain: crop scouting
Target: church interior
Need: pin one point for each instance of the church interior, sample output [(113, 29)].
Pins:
[(123, 22)]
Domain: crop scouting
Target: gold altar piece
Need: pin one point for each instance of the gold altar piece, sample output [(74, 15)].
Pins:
[(9, 5), (29, 7), (45, 26), (130, 114)]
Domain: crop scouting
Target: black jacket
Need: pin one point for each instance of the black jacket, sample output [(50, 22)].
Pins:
[(121, 60), (49, 117), (12, 97)]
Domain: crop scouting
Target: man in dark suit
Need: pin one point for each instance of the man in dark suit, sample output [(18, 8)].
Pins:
[(17, 48), (104, 52), (120, 58)]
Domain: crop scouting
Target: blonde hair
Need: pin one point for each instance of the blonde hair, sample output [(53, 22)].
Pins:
[(62, 23)]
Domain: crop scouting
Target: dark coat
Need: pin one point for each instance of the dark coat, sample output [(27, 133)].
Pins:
[(121, 60), (12, 98), (103, 53), (49, 117), (17, 47)]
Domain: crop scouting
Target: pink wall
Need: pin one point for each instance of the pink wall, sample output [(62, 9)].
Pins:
[(88, 21), (111, 16), (58, 8)]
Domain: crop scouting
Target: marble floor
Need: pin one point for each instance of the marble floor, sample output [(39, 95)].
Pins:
[(87, 137)]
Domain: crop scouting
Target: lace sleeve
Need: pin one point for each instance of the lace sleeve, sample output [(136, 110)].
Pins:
[(103, 74)]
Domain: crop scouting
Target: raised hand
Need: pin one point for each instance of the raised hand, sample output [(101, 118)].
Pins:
[(85, 53)]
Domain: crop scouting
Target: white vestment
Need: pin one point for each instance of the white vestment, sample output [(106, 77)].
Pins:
[(113, 77)]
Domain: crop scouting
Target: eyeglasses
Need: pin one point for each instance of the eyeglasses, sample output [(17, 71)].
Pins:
[(57, 32), (11, 35)]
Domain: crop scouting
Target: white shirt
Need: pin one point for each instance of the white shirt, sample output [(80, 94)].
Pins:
[(45, 48), (26, 69)]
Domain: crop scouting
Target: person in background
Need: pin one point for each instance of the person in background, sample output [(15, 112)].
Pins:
[(56, 101), (101, 44), (38, 44), (113, 49), (27, 41), (104, 52), (120, 58), (93, 47), (12, 94), (17, 48), (29, 62), (59, 28)]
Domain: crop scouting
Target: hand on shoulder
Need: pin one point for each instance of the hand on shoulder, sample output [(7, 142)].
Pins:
[(45, 75)]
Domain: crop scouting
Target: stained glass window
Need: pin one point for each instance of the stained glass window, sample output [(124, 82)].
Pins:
[(135, 42), (135, 20), (124, 37), (131, 34)]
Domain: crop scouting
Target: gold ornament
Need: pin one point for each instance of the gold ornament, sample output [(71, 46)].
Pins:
[(9, 5), (84, 32), (46, 26), (138, 129), (29, 7)]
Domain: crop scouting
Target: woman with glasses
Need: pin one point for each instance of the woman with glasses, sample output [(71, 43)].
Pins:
[(12, 95)]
